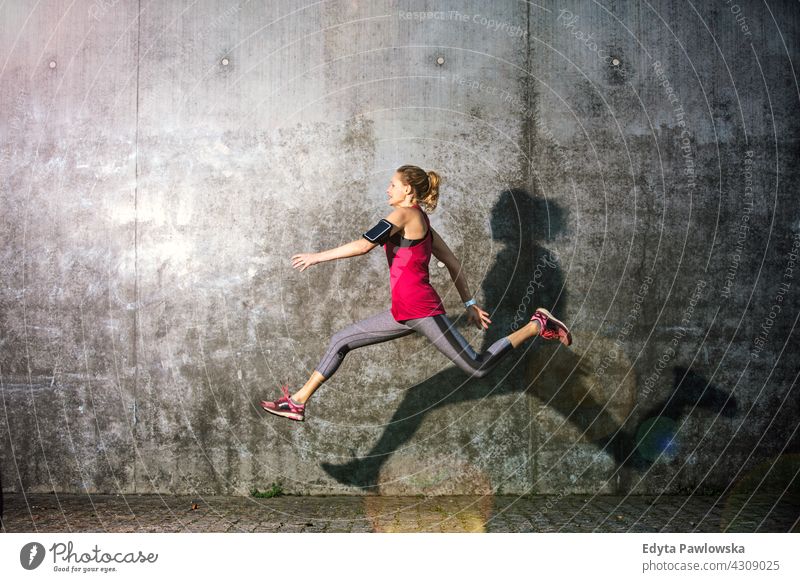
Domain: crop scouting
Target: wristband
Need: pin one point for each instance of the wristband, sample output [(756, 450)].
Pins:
[(470, 302)]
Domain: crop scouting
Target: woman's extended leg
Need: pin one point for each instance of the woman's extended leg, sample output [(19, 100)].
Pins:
[(448, 340), (378, 328), (372, 330)]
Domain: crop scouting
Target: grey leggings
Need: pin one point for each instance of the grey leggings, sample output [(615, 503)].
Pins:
[(437, 328)]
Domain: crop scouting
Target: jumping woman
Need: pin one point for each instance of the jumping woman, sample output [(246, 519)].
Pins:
[(409, 241)]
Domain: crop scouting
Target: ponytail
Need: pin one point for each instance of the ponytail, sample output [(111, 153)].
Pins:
[(424, 184)]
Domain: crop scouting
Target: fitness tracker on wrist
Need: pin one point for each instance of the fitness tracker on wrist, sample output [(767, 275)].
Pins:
[(468, 303)]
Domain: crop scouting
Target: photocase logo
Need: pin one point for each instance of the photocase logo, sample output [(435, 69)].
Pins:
[(31, 555)]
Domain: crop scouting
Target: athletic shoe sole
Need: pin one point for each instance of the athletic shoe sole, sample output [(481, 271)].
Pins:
[(559, 323), (285, 413)]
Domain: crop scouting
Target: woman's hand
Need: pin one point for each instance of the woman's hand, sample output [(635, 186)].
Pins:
[(304, 260), (478, 316)]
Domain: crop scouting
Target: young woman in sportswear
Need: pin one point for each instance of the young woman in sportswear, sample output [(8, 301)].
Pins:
[(409, 240)]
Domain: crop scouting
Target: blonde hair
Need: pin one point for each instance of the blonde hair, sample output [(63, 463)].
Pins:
[(425, 185)]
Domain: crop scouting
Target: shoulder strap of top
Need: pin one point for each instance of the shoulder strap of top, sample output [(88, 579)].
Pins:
[(427, 220), (428, 224)]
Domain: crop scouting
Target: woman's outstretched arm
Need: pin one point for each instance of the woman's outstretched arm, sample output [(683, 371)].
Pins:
[(442, 252), (362, 246)]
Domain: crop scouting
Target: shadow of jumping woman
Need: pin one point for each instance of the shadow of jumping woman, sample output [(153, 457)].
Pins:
[(526, 274)]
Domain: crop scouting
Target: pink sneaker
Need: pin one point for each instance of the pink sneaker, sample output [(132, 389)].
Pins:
[(284, 406), (550, 327)]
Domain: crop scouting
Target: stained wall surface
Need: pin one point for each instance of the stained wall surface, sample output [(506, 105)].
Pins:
[(629, 166)]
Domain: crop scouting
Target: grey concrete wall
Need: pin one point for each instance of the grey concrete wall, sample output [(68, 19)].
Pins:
[(630, 166)]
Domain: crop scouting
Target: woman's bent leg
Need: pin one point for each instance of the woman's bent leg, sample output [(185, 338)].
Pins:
[(448, 340), (372, 330)]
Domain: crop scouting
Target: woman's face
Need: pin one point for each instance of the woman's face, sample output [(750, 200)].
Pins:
[(397, 191)]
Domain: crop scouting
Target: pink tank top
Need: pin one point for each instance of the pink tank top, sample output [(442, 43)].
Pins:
[(412, 294)]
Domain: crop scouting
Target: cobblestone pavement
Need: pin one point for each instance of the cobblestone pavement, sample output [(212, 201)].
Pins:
[(572, 513)]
